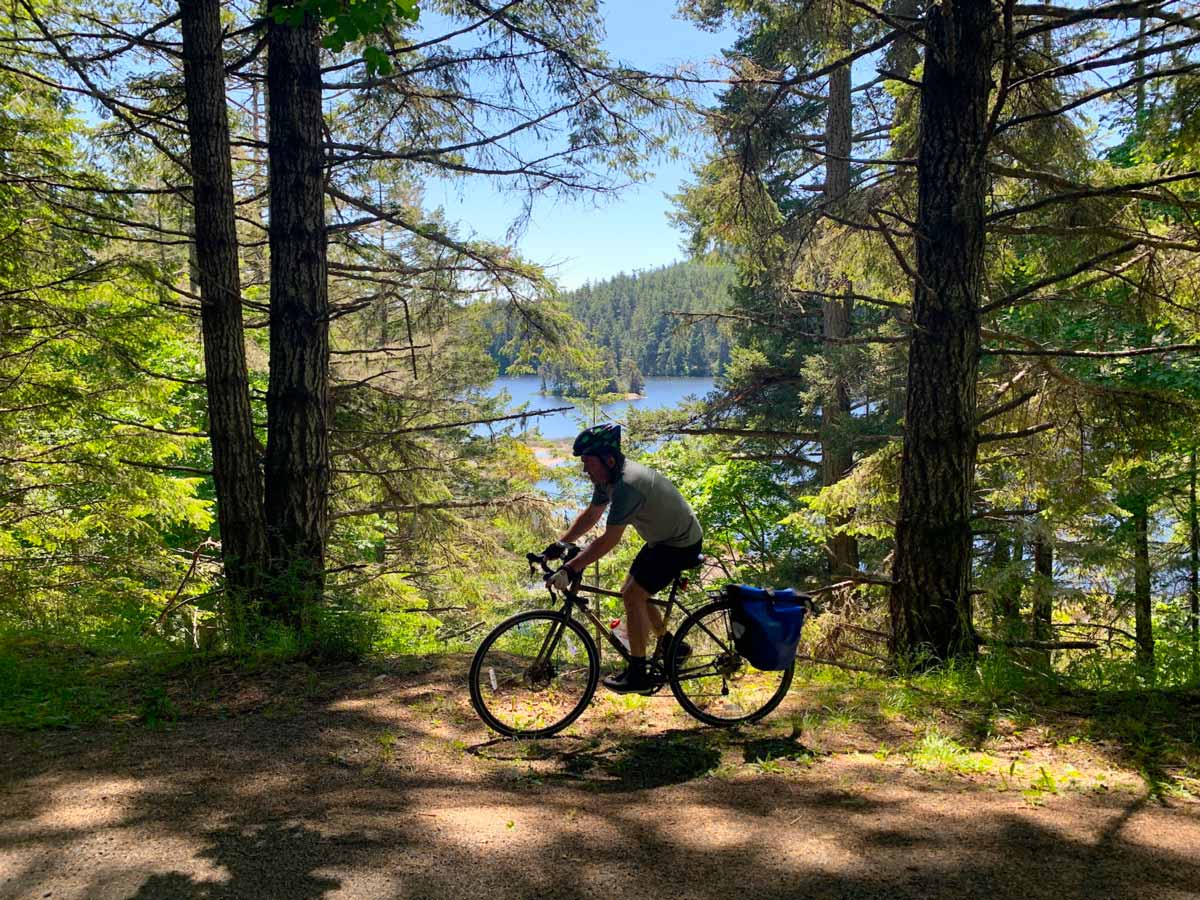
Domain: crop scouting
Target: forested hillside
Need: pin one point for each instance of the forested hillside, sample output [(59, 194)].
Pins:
[(641, 317), (646, 323)]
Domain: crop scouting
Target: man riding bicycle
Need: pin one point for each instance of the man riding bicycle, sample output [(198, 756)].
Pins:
[(636, 495)]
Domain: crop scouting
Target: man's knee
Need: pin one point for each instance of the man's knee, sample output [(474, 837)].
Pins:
[(632, 592)]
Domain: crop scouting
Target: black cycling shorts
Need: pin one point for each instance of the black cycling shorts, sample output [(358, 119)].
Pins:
[(654, 567)]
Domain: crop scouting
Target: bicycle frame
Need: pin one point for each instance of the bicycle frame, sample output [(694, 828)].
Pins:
[(571, 601)]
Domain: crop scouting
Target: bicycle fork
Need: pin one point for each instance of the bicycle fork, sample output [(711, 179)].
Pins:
[(545, 654)]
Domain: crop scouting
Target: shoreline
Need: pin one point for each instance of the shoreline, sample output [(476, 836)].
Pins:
[(548, 456)]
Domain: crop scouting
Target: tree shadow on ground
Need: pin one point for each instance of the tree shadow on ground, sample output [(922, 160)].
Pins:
[(643, 762), (649, 761), (263, 862), (775, 748)]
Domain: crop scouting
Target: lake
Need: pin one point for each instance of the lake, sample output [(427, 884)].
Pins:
[(659, 393)]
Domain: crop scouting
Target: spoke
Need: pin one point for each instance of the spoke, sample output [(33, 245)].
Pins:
[(716, 682), (532, 675)]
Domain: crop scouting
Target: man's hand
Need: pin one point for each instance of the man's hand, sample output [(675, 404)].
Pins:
[(555, 550), (564, 578)]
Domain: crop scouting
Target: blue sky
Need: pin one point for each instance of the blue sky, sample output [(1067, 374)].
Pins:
[(579, 240)]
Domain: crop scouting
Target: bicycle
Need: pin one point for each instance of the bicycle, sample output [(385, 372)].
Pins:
[(535, 673)]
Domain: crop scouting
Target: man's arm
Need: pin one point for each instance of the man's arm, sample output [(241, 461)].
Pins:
[(583, 523), (597, 548)]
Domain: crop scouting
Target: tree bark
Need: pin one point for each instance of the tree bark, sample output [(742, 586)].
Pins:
[(902, 56), (930, 600), (1043, 587), (236, 474), (837, 455), (1194, 565), (297, 463), (1143, 624), (1005, 555)]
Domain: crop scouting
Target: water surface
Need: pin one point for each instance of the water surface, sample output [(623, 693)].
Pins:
[(659, 393)]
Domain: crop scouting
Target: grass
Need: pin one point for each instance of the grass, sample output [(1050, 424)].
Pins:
[(937, 751), (46, 683), (53, 682), (967, 719)]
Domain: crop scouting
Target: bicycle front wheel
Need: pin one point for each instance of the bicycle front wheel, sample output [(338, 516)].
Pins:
[(534, 674), (714, 683)]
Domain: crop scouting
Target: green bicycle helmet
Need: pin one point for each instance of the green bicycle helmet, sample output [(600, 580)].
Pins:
[(599, 440)]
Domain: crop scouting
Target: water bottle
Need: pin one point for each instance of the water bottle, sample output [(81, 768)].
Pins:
[(619, 632)]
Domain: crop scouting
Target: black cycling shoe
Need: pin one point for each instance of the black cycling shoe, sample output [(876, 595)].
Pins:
[(631, 681)]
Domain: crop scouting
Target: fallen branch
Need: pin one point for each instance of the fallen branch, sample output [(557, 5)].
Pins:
[(1037, 645), (463, 633), (433, 609), (175, 603), (838, 664), (867, 631), (1112, 629), (853, 578)]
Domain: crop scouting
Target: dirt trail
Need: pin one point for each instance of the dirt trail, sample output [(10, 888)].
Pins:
[(385, 786)]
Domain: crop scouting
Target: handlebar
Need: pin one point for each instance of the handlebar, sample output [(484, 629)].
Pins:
[(537, 559)]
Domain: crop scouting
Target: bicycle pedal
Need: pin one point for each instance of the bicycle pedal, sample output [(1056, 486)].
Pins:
[(660, 682)]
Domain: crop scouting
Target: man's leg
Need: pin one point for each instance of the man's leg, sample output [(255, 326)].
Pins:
[(639, 620), (640, 617)]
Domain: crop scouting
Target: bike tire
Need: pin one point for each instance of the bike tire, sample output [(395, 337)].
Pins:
[(714, 657), (523, 701)]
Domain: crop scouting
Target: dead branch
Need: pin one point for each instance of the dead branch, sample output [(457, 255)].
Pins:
[(988, 437), (838, 664)]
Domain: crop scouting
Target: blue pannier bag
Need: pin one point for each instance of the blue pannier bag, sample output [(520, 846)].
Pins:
[(766, 625)]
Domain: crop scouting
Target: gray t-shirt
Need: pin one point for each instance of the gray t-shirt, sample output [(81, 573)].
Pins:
[(652, 505)]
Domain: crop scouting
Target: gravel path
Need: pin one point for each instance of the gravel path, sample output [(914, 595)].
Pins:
[(389, 788)]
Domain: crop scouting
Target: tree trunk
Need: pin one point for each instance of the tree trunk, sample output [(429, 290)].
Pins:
[(902, 57), (837, 455), (236, 472), (930, 599), (1043, 587), (256, 254), (1194, 567), (1008, 590), (297, 463), (1143, 626)]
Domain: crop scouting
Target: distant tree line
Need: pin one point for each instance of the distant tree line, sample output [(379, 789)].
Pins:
[(645, 323)]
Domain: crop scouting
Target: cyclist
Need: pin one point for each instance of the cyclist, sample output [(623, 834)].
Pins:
[(647, 500)]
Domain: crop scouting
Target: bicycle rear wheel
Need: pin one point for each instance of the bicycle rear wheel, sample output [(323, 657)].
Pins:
[(534, 674), (714, 683)]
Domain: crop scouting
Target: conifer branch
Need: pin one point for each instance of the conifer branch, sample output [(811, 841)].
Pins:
[(989, 437)]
